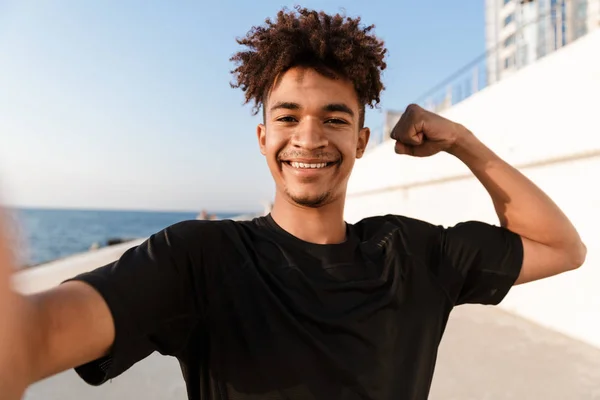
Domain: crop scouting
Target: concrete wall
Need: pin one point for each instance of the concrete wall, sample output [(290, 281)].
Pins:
[(545, 120)]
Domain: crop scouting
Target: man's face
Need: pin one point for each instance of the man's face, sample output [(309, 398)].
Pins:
[(311, 136)]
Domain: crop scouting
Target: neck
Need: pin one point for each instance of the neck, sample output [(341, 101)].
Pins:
[(321, 225)]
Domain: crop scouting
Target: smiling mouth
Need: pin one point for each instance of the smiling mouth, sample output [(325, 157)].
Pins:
[(302, 165)]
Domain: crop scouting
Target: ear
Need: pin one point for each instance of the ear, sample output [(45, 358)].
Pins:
[(363, 139), (261, 134)]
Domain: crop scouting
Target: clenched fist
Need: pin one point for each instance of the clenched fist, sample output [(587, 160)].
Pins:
[(421, 133)]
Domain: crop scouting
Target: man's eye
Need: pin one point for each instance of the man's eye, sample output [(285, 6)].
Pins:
[(335, 121), (286, 119)]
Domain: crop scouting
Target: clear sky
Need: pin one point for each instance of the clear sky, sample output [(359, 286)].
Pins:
[(127, 104)]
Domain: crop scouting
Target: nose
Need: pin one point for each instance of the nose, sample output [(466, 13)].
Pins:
[(310, 135)]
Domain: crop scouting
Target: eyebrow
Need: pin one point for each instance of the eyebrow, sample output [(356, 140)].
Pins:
[(285, 105), (332, 107), (339, 107)]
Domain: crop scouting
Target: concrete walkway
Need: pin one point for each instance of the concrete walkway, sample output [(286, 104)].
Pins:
[(486, 354), (490, 354)]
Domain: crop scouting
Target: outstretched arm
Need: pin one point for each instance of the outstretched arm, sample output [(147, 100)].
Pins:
[(105, 320), (12, 381), (550, 241), (47, 333)]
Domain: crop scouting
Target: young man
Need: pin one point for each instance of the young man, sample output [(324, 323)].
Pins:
[(298, 304)]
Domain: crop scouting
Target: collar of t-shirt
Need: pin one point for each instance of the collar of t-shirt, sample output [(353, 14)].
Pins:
[(339, 261)]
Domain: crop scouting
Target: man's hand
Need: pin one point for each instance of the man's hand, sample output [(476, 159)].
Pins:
[(421, 133)]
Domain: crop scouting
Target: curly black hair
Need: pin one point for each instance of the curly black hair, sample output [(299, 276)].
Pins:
[(335, 46)]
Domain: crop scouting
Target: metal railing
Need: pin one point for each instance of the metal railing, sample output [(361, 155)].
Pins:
[(562, 23)]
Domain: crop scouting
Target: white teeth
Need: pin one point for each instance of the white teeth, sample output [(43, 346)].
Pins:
[(304, 165)]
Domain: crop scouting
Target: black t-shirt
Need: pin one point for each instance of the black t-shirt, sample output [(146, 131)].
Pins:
[(252, 312)]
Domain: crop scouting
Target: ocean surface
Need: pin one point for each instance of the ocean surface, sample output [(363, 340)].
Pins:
[(44, 235)]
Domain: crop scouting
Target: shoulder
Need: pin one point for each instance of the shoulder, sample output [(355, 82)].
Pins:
[(406, 234), (413, 226), (192, 228), (399, 223), (201, 233)]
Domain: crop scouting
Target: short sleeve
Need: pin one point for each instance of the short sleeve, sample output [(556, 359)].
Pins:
[(486, 260), (150, 293)]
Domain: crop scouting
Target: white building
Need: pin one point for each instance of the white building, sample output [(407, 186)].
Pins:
[(543, 119), (519, 32)]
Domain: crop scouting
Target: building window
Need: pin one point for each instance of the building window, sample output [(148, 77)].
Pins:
[(507, 1), (510, 18), (581, 31), (509, 61), (523, 56), (509, 41), (582, 10)]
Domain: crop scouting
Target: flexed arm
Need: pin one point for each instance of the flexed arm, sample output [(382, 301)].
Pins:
[(551, 243)]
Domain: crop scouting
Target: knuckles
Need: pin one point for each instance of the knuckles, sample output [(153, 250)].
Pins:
[(412, 110)]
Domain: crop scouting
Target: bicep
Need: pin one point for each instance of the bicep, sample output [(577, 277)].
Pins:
[(75, 326), (540, 261)]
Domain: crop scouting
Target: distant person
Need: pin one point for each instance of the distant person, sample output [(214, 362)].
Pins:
[(298, 304), (203, 214)]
